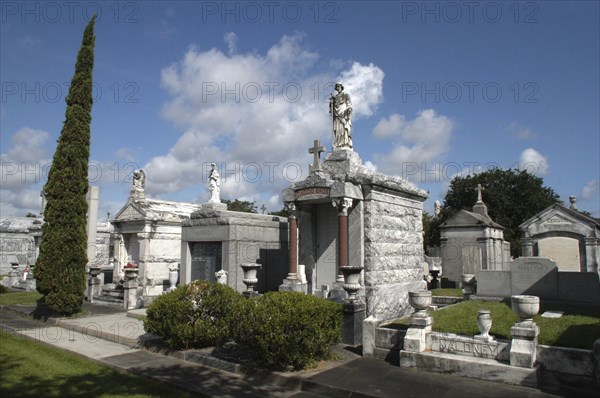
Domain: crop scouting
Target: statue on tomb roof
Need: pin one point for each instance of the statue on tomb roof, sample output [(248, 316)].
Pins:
[(139, 179), (340, 107), (214, 184)]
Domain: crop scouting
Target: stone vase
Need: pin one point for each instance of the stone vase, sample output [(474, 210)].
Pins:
[(420, 301), (94, 271), (351, 280), (250, 272), (131, 274), (484, 323), (526, 307), (173, 277)]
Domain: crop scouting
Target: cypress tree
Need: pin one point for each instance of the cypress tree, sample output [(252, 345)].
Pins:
[(60, 267)]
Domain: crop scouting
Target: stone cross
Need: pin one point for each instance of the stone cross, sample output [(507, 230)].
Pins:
[(316, 150), (479, 189), (263, 208)]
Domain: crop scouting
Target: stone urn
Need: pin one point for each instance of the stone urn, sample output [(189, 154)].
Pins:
[(420, 301), (484, 323), (14, 267), (351, 280), (526, 307), (468, 285), (173, 276), (250, 271), (94, 271), (131, 273)]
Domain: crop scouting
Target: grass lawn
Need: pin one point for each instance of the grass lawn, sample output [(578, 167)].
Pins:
[(29, 369), (447, 292), (579, 326), (19, 298)]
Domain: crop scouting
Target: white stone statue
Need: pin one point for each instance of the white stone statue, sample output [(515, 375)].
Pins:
[(139, 179), (437, 208), (214, 184), (221, 277), (340, 107)]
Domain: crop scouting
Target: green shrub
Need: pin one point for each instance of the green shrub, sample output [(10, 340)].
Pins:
[(288, 329), (194, 316), (3, 289)]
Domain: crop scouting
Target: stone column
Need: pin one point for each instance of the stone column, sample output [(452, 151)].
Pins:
[(292, 282), (527, 247), (343, 204), (92, 198), (293, 225), (591, 255)]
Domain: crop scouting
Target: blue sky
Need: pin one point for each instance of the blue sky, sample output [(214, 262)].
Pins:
[(439, 89)]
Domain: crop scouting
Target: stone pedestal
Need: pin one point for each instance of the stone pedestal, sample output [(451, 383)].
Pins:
[(214, 206), (293, 285), (523, 349), (415, 339), (94, 289), (30, 283), (130, 294), (338, 294), (354, 315)]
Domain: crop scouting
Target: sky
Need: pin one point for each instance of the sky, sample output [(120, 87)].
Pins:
[(439, 90)]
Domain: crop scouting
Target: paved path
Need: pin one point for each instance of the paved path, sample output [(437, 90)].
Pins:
[(108, 335)]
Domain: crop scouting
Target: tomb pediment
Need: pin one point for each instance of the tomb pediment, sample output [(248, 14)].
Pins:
[(558, 217), (130, 212)]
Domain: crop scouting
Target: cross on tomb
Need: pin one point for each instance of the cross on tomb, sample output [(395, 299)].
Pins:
[(263, 208), (479, 189), (316, 150)]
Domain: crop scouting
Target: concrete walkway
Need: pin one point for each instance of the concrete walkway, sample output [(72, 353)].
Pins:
[(108, 335)]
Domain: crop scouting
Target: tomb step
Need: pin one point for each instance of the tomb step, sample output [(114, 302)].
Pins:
[(109, 300), (472, 367), (113, 293)]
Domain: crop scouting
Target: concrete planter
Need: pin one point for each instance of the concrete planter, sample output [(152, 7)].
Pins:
[(526, 307), (484, 323), (250, 272), (351, 280), (131, 274), (420, 301)]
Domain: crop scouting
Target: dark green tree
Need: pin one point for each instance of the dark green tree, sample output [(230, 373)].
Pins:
[(511, 196), (60, 267), (284, 212), (240, 205)]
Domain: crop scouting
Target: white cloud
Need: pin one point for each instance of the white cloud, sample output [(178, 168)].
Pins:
[(27, 162), (534, 162), (521, 132), (590, 189), (253, 114), (230, 39), (417, 143), (365, 83)]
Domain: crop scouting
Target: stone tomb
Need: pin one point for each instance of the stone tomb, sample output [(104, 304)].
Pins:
[(565, 235), (534, 277), (215, 239), (471, 241), (539, 276), (348, 215)]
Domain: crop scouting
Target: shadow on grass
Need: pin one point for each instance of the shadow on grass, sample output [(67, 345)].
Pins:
[(18, 381)]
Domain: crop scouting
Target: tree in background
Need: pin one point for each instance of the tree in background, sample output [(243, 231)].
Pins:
[(60, 267), (240, 205), (511, 196)]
